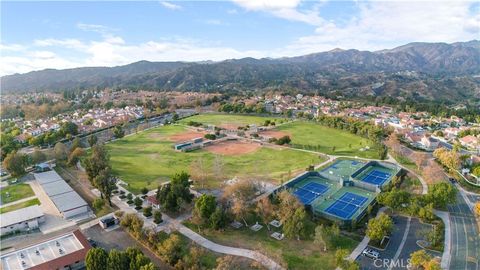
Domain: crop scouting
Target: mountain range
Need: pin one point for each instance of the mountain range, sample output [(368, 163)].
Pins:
[(427, 71)]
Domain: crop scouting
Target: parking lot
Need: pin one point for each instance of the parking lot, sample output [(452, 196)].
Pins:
[(119, 239), (403, 242)]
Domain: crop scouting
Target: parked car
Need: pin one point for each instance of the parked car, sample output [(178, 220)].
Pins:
[(368, 252)]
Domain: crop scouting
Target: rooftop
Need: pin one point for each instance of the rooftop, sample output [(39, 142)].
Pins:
[(20, 215), (56, 188), (68, 201), (51, 254), (47, 177)]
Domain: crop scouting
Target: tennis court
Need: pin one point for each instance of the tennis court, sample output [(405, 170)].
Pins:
[(342, 168), (309, 192), (347, 205), (376, 177)]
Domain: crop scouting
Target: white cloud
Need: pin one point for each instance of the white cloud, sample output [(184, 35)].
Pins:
[(170, 5), (266, 5), (98, 28), (381, 25)]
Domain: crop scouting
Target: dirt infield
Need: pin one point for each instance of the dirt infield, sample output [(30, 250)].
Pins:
[(230, 126), (187, 135), (232, 148), (274, 133)]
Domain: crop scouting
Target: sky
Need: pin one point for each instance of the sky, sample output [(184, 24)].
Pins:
[(66, 34)]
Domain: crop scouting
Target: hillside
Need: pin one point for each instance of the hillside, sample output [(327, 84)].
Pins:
[(416, 70)]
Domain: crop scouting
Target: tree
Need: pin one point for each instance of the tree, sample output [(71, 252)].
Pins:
[(149, 266), (75, 155), (326, 236), (15, 164), (295, 225), (394, 198), (218, 219), (92, 140), (198, 171), (379, 227), (157, 217), (75, 144), (419, 258), (175, 117), (218, 168), (61, 151), (265, 210), (106, 183), (288, 205), (229, 263), (98, 204), (477, 208), (96, 259), (133, 223), (441, 194), (68, 128), (138, 203), (205, 205), (171, 249), (118, 132), (117, 260), (38, 156), (173, 195)]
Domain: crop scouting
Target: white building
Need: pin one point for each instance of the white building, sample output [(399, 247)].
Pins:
[(23, 219), (65, 199)]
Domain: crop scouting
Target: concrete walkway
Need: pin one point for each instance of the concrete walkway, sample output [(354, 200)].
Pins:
[(404, 239), (264, 260), (364, 243), (18, 201), (446, 256)]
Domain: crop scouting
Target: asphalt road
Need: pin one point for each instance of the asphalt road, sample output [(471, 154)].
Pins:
[(119, 239), (401, 245), (465, 237)]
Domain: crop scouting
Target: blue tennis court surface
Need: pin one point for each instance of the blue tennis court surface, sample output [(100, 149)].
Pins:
[(376, 177), (310, 192), (347, 205)]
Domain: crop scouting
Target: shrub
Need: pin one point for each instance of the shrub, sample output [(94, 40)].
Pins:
[(144, 190), (122, 197), (210, 136), (129, 202), (98, 204), (157, 217), (147, 211)]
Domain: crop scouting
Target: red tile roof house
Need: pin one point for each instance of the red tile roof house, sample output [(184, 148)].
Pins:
[(470, 141), (153, 202)]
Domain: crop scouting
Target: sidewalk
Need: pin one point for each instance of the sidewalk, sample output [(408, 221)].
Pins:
[(18, 201), (446, 256)]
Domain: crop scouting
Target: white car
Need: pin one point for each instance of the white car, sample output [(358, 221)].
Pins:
[(368, 252)]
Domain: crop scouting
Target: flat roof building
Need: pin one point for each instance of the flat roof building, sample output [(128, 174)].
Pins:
[(23, 219), (65, 199), (67, 251)]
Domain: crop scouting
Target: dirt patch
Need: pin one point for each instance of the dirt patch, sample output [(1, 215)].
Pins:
[(185, 136), (229, 126), (231, 148), (274, 133)]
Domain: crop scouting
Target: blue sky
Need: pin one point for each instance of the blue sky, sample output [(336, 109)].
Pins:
[(38, 35)]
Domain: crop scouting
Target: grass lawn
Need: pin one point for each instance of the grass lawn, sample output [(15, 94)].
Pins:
[(294, 254), (148, 158), (19, 205), (16, 192), (229, 119), (323, 139)]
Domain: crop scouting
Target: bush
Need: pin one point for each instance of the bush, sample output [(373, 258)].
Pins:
[(283, 140), (130, 202), (157, 217), (130, 196), (119, 214), (122, 197), (210, 136), (147, 211), (144, 190), (138, 203), (98, 204)]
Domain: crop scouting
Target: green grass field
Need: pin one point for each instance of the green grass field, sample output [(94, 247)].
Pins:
[(19, 205), (16, 192), (148, 158), (294, 254), (229, 119), (323, 139)]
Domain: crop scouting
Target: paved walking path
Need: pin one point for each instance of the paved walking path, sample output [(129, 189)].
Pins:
[(18, 201), (364, 243), (267, 262)]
